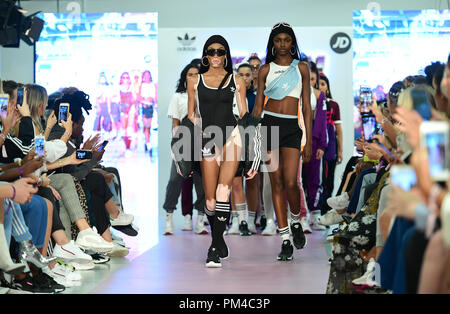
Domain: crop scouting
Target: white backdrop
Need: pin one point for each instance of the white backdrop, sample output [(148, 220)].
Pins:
[(174, 54)]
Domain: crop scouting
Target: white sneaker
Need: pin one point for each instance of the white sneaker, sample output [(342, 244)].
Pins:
[(122, 220), (234, 229), (330, 218), (305, 225), (252, 227), (270, 229), (118, 240), (200, 225), (118, 251), (168, 229), (89, 239), (71, 252), (60, 278), (60, 270), (314, 223), (339, 202), (187, 223), (367, 280)]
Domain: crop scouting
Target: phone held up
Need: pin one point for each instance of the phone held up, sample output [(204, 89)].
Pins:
[(83, 154), (403, 176), (63, 112), (20, 92), (39, 145), (365, 98), (434, 136), (4, 99)]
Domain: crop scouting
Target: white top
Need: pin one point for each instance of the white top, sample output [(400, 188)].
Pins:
[(148, 90), (276, 70), (178, 107)]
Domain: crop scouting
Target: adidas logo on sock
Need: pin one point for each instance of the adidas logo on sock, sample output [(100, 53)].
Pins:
[(222, 219)]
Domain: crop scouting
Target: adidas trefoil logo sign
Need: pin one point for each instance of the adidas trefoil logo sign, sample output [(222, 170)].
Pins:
[(222, 218), (232, 89), (186, 43)]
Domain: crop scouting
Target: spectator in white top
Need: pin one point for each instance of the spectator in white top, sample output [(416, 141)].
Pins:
[(178, 109)]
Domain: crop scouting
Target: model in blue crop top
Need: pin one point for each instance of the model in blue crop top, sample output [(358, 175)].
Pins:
[(281, 112)]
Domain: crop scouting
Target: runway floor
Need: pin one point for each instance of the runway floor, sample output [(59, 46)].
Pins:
[(176, 266)]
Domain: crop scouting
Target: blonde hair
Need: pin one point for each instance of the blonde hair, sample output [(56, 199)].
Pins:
[(36, 97), (405, 98)]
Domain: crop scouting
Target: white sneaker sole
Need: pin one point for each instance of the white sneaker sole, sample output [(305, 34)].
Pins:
[(213, 265), (266, 233), (119, 253), (87, 266), (96, 249)]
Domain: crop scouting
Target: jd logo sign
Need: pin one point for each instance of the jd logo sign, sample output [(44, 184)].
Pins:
[(340, 43)]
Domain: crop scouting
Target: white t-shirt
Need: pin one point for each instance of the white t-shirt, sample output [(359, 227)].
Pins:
[(178, 107)]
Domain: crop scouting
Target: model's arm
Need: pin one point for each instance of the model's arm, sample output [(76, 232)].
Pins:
[(241, 97), (191, 82), (259, 103), (306, 108)]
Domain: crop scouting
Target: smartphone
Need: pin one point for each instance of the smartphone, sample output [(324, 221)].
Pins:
[(39, 145), (84, 154), (370, 127), (435, 138), (421, 104), (365, 98), (403, 176), (4, 99), (20, 92), (63, 112), (102, 147)]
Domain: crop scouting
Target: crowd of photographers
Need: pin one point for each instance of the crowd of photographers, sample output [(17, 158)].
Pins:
[(391, 216)]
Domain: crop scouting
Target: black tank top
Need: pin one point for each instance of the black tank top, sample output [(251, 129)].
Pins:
[(216, 106)]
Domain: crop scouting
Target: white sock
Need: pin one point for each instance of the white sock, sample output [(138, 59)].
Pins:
[(240, 208), (284, 233), (295, 218), (251, 216)]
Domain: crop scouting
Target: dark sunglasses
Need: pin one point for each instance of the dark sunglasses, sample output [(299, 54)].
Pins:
[(219, 52)]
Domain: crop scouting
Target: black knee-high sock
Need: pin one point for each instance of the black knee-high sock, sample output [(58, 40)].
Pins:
[(210, 215), (221, 219)]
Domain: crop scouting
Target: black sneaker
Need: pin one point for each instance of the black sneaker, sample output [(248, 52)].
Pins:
[(98, 258), (222, 248), (243, 229), (43, 283), (128, 230), (286, 251), (213, 259), (298, 236), (25, 284), (263, 222)]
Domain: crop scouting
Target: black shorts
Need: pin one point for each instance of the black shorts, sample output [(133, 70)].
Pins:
[(289, 133), (240, 170)]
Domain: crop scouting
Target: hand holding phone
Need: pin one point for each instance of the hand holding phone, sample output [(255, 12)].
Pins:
[(102, 146)]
